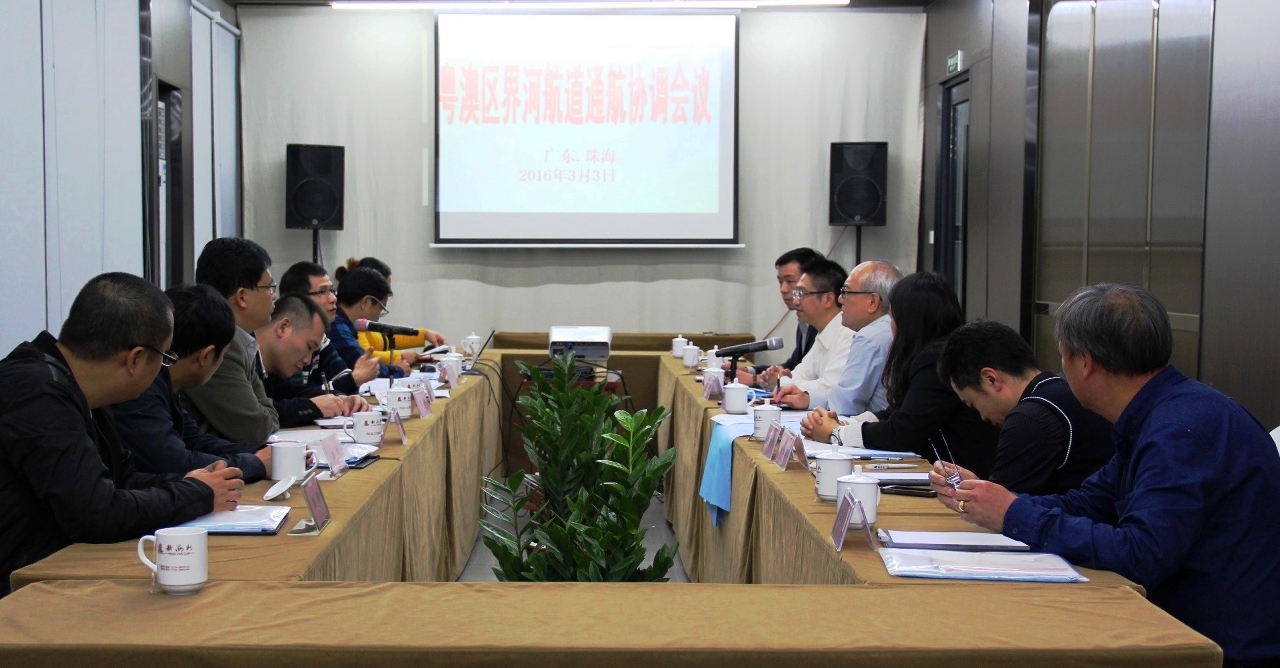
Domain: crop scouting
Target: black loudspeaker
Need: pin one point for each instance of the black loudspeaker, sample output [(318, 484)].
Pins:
[(858, 193), (313, 187)]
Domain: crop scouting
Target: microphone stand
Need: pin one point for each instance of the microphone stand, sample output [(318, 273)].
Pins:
[(733, 369)]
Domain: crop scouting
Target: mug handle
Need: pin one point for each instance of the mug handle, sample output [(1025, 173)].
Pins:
[(347, 426), (142, 553)]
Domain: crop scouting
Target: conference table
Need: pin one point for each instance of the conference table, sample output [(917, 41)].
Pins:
[(412, 516)]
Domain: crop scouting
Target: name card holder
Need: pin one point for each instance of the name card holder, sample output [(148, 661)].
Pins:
[(849, 504), (786, 448), (394, 416), (336, 455), (712, 388), (318, 507), (771, 438), (422, 400)]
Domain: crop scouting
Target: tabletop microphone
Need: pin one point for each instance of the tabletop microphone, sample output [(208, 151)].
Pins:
[(363, 325), (771, 343)]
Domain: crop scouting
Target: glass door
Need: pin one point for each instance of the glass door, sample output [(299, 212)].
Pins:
[(953, 186)]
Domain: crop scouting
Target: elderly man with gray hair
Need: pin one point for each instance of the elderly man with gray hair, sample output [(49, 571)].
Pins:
[(1186, 508), (864, 308)]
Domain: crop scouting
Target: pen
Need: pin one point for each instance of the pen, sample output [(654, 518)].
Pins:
[(882, 467), (871, 457)]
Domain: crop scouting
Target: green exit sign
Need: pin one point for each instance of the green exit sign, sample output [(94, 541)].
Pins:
[(955, 62)]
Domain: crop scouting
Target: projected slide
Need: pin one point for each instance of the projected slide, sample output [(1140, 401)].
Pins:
[(585, 128)]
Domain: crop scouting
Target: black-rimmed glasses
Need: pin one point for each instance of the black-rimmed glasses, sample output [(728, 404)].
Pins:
[(270, 287), (845, 292), (322, 292), (799, 294), (167, 357)]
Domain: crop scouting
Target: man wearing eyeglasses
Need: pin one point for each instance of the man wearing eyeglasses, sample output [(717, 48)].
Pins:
[(864, 309), (64, 477), (234, 403), (328, 370), (817, 304)]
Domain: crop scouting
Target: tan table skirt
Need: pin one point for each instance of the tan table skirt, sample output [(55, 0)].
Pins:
[(311, 625), (623, 341)]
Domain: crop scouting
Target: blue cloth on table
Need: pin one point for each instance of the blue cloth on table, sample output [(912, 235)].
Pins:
[(717, 474)]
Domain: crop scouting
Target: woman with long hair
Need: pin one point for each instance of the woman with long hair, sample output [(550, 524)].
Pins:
[(924, 415), (394, 351)]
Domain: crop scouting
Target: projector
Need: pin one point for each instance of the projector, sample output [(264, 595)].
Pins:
[(590, 344)]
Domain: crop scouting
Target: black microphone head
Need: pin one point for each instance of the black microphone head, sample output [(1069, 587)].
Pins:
[(775, 343)]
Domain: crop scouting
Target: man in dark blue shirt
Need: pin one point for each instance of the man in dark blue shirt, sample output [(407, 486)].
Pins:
[(155, 428), (1187, 507)]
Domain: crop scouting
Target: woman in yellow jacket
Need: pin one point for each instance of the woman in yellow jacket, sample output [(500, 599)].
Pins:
[(390, 350)]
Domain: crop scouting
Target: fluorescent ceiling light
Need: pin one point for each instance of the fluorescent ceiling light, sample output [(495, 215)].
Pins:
[(506, 5)]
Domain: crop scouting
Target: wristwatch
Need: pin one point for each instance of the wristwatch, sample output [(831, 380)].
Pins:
[(835, 436)]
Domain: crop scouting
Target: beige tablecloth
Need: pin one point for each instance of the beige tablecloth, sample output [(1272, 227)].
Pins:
[(312, 625)]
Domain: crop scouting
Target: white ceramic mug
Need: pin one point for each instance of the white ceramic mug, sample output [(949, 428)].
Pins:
[(365, 427), (471, 344), (735, 398), (677, 346), (182, 559), (764, 415), (690, 354), (865, 489), (713, 374), (410, 384), (400, 399), (289, 458), (829, 467), (454, 362)]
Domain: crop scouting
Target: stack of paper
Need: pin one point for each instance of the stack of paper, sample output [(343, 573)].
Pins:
[(951, 565), (244, 520), (354, 452), (967, 541)]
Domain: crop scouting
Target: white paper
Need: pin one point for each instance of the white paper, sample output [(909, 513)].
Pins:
[(951, 540), (244, 519), (331, 423), (899, 477), (950, 565), (729, 419), (375, 386), (354, 452), (441, 394), (307, 436)]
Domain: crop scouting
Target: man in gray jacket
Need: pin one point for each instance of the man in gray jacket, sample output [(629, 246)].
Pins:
[(234, 403)]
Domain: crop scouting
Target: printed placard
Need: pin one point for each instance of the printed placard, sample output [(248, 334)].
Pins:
[(394, 416), (801, 455), (422, 400), (712, 387), (786, 448), (336, 455), (448, 375), (843, 514), (771, 438)]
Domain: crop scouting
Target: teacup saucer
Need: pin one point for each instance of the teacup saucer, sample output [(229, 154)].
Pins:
[(828, 498)]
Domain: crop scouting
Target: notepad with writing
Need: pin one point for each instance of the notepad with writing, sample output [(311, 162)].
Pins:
[(965, 541)]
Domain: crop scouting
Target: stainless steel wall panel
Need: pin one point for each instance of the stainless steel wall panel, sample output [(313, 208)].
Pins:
[(956, 25), (1006, 161), (1120, 146), (1241, 311), (1180, 147), (929, 184), (977, 221), (1064, 145)]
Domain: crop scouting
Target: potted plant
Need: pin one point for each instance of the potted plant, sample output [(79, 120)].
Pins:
[(578, 517)]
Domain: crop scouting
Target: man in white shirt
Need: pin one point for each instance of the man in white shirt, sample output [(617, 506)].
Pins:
[(817, 304), (864, 309)]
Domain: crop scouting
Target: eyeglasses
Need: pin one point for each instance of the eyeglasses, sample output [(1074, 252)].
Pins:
[(167, 357), (845, 292), (385, 311), (799, 294), (326, 290), (270, 287)]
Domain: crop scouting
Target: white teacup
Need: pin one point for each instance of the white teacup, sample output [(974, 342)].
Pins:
[(454, 362), (735, 398), (400, 399), (865, 489), (677, 346), (289, 459), (764, 416), (690, 354), (410, 384), (828, 467), (182, 559), (365, 427)]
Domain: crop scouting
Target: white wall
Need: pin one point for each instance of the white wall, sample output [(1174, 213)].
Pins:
[(356, 79), (71, 189), (21, 173)]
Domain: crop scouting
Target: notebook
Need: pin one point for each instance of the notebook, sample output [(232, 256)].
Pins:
[(243, 521), (965, 541), (1004, 566)]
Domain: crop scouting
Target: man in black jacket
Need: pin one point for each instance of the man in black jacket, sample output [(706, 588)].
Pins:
[(295, 333), (1048, 442), (155, 428), (64, 477)]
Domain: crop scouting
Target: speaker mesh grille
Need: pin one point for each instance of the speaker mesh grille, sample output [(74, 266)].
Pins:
[(315, 200), (858, 197)]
